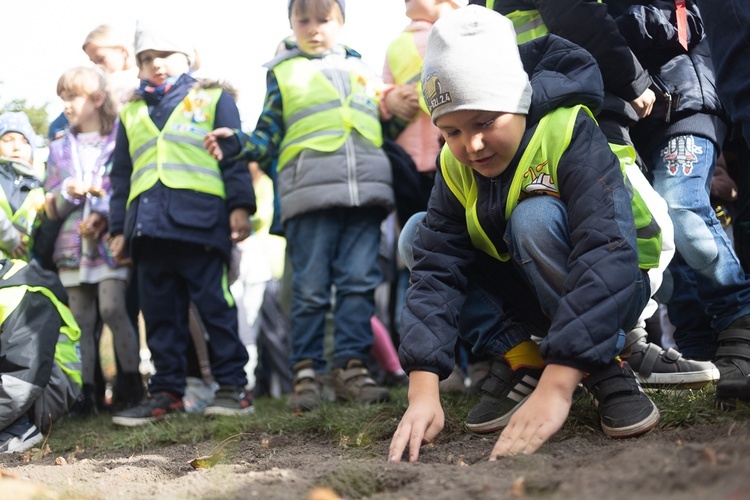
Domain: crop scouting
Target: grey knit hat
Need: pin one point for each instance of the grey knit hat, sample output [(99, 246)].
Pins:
[(342, 4), (18, 122), (164, 38), (472, 63)]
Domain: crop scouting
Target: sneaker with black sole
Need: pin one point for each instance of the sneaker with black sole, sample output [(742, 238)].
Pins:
[(354, 384), (730, 391), (307, 387), (152, 408), (20, 435), (503, 392), (624, 409), (733, 353), (230, 402), (658, 368)]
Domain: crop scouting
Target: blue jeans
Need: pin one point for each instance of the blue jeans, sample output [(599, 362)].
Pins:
[(728, 32), (507, 303), (708, 271), (339, 247)]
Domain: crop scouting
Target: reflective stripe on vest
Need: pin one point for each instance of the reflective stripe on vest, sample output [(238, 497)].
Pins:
[(66, 349), (406, 64), (537, 174), (24, 217), (174, 155), (315, 114), (528, 25)]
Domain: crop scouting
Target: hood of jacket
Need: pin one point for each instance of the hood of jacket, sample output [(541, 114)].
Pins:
[(562, 74)]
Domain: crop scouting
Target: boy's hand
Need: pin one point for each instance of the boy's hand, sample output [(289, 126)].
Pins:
[(423, 420), (403, 102), (542, 415), (211, 141), (644, 103), (117, 247), (239, 224)]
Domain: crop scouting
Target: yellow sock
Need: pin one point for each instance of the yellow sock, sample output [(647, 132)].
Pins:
[(525, 354)]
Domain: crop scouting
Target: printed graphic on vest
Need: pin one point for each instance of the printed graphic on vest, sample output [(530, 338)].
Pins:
[(195, 107), (541, 182), (433, 93)]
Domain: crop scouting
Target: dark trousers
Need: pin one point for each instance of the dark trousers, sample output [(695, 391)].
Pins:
[(170, 275)]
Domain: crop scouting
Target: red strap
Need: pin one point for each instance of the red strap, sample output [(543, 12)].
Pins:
[(681, 12)]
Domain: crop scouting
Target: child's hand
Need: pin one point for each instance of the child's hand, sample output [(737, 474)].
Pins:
[(542, 415), (423, 420), (644, 103), (403, 102), (75, 189), (117, 247), (23, 244), (239, 224), (211, 141), (93, 226)]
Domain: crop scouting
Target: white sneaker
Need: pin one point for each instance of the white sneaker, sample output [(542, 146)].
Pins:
[(21, 437)]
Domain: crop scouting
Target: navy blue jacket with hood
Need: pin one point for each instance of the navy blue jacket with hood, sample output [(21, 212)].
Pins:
[(585, 332)]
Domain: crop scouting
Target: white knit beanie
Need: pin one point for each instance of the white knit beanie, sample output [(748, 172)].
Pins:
[(165, 38), (472, 63)]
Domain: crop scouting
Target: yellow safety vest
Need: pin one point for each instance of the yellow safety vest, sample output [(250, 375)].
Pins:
[(316, 116), (66, 350), (174, 155), (536, 173), (406, 64), (528, 24), (25, 217)]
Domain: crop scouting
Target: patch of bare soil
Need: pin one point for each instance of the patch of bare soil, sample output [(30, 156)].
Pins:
[(711, 462)]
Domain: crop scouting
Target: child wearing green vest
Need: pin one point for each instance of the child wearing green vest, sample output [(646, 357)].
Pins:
[(321, 121), (177, 211), (21, 193), (532, 232)]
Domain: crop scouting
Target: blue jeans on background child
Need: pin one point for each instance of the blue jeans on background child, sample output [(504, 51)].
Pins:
[(507, 303), (339, 247), (709, 271)]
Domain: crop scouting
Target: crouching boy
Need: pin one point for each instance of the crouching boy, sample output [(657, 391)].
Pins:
[(531, 231), (40, 365)]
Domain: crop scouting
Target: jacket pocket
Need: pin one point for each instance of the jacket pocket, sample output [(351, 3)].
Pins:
[(193, 209)]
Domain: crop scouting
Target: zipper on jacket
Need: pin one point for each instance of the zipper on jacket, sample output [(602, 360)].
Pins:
[(351, 158)]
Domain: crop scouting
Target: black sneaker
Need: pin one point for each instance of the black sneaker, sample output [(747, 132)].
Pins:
[(732, 390), (152, 408), (624, 409), (19, 435), (733, 353), (658, 368), (230, 401), (503, 392)]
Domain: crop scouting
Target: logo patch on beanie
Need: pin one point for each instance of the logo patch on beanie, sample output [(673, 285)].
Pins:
[(433, 93)]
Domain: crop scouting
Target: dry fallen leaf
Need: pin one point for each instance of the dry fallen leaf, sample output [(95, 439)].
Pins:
[(265, 443), (518, 488), (61, 461), (7, 473), (321, 493), (206, 461)]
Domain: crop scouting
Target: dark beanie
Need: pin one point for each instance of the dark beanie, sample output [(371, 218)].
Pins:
[(342, 4)]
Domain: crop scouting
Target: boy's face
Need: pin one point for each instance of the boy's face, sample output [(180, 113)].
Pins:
[(486, 141), (82, 110), (156, 66), (112, 58), (15, 146), (316, 35)]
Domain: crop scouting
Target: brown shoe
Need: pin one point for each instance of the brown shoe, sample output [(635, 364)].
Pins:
[(306, 387), (355, 384)]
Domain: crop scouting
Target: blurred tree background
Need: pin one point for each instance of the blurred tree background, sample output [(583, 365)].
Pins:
[(37, 115)]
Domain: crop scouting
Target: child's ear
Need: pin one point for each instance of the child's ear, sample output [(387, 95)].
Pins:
[(98, 98)]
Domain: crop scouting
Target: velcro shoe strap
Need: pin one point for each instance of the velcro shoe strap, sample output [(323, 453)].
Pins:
[(734, 334), (650, 357), (354, 373), (633, 336), (733, 351), (615, 385), (303, 374)]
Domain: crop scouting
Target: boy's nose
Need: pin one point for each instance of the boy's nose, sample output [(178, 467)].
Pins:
[(475, 143)]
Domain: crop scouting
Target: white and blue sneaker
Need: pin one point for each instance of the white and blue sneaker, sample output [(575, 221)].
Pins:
[(19, 436)]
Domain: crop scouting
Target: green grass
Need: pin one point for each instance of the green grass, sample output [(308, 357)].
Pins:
[(347, 425)]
